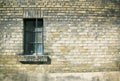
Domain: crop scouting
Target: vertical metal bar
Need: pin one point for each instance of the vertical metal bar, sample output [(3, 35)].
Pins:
[(42, 38), (35, 37)]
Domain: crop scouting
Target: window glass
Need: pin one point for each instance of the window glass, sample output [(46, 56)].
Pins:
[(33, 36)]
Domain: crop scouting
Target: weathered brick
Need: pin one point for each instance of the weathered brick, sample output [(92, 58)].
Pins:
[(81, 33)]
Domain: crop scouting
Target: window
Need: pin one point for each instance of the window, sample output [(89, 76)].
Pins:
[(33, 36)]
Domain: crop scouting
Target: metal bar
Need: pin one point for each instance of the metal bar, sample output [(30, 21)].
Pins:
[(35, 37), (42, 38)]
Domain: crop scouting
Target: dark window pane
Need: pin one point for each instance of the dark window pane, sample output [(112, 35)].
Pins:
[(30, 48), (30, 25), (40, 23), (29, 42), (30, 37)]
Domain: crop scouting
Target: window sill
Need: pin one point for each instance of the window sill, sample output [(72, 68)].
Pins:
[(34, 59)]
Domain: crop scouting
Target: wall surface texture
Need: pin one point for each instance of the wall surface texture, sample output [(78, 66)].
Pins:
[(31, 76), (79, 35)]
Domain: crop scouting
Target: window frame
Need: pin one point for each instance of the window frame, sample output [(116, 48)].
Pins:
[(34, 20)]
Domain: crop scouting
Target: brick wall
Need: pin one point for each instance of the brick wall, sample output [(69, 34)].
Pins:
[(80, 35)]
